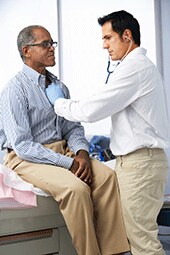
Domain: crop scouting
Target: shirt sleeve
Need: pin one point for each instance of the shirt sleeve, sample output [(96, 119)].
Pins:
[(73, 133), (121, 91), (15, 115)]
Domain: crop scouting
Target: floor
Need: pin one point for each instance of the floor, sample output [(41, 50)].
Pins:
[(164, 236)]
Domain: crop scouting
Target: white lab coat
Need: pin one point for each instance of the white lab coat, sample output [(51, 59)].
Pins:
[(134, 98)]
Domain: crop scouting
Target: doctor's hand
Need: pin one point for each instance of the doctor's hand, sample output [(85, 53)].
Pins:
[(54, 92)]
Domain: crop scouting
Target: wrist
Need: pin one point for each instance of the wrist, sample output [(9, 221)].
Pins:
[(82, 153)]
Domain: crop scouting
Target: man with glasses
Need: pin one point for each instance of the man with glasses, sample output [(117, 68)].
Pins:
[(52, 153)]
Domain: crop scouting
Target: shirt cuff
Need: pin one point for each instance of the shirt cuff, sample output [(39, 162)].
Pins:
[(65, 162), (78, 148)]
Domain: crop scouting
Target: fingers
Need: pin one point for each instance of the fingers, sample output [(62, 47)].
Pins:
[(82, 169), (84, 174)]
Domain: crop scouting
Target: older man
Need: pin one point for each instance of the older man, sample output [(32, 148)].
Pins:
[(52, 153)]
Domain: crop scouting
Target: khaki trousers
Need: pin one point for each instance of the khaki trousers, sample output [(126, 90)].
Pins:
[(141, 177), (92, 214)]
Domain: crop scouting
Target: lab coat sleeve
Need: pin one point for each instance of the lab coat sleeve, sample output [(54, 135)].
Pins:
[(122, 90), (70, 110), (95, 108)]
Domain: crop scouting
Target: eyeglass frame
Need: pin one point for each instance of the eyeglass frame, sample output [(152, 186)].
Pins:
[(45, 44)]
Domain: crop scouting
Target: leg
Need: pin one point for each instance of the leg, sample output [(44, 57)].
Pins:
[(73, 196), (142, 176), (109, 223)]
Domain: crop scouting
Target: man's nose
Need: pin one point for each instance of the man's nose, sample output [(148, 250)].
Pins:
[(105, 45)]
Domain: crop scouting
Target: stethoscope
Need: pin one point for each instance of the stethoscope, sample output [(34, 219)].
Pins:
[(108, 69), (118, 62)]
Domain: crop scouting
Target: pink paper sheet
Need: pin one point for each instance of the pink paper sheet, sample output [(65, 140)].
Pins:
[(12, 198), (16, 193)]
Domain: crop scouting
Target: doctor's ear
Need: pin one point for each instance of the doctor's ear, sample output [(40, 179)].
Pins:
[(127, 35)]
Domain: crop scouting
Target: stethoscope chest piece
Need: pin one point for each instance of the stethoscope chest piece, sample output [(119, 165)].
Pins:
[(109, 70)]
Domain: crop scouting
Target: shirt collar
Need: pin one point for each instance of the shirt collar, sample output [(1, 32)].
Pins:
[(34, 76), (138, 50)]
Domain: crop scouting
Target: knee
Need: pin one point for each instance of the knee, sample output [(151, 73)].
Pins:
[(78, 190)]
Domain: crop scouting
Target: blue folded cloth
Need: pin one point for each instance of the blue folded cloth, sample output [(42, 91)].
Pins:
[(100, 142), (99, 148)]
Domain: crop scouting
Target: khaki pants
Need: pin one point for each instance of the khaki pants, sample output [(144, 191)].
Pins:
[(92, 214), (141, 177)]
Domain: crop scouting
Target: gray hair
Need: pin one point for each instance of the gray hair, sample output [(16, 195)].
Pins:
[(26, 36)]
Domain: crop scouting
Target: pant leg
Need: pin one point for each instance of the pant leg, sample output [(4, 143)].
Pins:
[(76, 197), (141, 177), (109, 224), (73, 196)]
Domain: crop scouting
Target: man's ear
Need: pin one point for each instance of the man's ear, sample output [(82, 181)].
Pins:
[(26, 51), (127, 35)]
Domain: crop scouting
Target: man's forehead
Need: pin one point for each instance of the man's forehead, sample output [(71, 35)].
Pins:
[(107, 29), (41, 33)]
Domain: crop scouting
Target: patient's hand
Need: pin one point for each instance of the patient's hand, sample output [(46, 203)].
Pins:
[(81, 167), (54, 92)]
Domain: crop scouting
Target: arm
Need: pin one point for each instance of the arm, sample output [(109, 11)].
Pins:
[(74, 134), (17, 128), (121, 91)]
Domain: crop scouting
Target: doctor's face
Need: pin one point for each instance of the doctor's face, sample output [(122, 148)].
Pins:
[(116, 46)]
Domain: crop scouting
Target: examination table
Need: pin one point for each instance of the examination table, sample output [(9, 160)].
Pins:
[(35, 231)]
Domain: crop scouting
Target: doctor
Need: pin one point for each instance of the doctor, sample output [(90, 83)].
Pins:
[(134, 98)]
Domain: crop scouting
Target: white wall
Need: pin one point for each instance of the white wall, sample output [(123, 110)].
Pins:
[(162, 21), (14, 16), (83, 61), (165, 10)]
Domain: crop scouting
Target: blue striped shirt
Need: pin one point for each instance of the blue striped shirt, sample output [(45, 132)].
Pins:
[(28, 120)]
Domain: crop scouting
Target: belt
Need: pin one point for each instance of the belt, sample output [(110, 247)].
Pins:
[(143, 151)]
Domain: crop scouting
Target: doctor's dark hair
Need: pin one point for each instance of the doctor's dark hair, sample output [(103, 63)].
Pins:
[(26, 36), (120, 21)]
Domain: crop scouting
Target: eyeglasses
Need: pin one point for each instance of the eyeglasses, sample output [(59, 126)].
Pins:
[(46, 44)]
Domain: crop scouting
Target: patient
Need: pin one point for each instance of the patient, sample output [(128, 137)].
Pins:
[(52, 153)]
